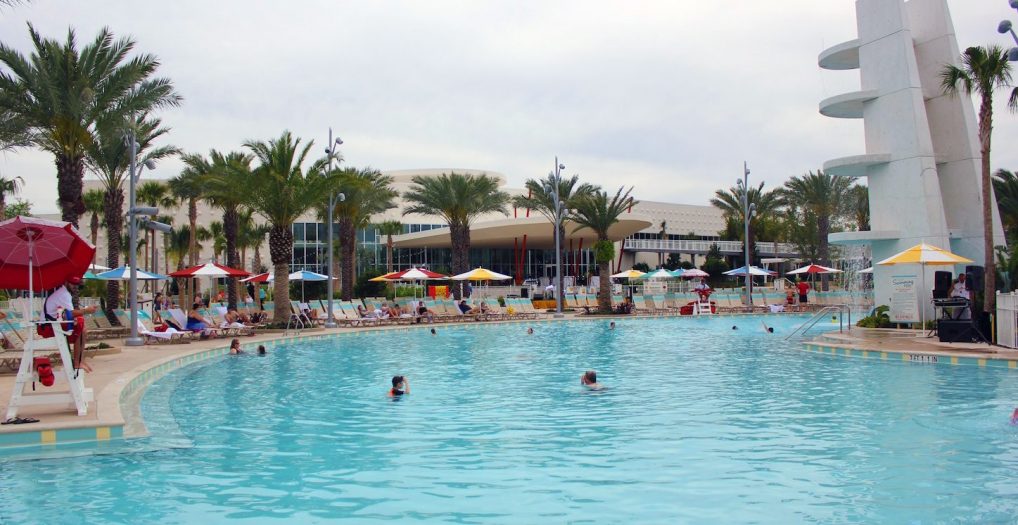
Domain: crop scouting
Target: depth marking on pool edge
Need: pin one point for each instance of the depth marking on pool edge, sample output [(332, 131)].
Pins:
[(908, 357)]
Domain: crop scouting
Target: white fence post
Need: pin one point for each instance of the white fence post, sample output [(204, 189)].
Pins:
[(1007, 319)]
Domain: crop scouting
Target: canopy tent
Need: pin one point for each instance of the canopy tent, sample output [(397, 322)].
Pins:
[(924, 254)]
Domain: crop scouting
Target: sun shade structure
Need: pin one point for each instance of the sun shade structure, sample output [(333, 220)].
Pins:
[(628, 274), (384, 278), (259, 278), (124, 273), (753, 270), (39, 254), (660, 273), (98, 268), (813, 268), (480, 274), (688, 274), (415, 274), (867, 270), (210, 269), (304, 275), (925, 254)]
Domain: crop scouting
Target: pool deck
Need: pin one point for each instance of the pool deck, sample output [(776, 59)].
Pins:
[(119, 378)]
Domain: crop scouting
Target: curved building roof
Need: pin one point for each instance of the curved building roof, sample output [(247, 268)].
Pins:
[(539, 232)]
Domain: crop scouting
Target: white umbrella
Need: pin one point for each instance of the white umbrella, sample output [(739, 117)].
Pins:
[(694, 273), (867, 270), (753, 270), (660, 273), (124, 273)]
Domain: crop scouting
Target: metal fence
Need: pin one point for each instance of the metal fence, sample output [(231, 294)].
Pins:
[(1007, 319)]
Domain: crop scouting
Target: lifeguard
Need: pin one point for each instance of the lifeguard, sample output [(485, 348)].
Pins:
[(59, 306)]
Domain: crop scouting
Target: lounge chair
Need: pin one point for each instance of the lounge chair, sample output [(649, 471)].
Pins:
[(171, 335)]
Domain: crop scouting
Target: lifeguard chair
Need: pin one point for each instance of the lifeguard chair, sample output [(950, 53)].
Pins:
[(76, 396)]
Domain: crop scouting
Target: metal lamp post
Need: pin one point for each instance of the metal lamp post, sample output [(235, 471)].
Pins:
[(330, 321), (749, 210), (133, 212), (559, 208), (1005, 27)]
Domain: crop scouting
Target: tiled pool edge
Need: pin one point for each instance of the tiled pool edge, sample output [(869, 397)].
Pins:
[(909, 357)]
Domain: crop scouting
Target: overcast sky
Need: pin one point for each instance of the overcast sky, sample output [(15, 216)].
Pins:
[(670, 97)]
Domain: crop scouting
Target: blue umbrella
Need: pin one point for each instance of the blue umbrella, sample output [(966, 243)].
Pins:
[(124, 273)]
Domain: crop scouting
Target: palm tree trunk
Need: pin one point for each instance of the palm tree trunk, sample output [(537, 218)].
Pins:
[(460, 236), (113, 209), (70, 171), (230, 232), (604, 291), (347, 240), (192, 242), (388, 254), (985, 129), (824, 247), (3, 205), (93, 227), (281, 250)]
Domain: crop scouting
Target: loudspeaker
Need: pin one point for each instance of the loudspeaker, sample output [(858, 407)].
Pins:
[(951, 331), (941, 284), (976, 278)]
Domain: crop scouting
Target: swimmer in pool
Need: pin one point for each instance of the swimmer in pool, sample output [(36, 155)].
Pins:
[(400, 386), (530, 331), (611, 326), (589, 380)]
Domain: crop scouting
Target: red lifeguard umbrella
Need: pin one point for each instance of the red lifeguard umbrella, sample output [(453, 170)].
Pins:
[(38, 254), (260, 278), (414, 274)]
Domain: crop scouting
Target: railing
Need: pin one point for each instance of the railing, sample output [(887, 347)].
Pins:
[(843, 311), (698, 246), (1007, 319)]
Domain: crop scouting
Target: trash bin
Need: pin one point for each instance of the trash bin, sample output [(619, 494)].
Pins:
[(525, 292)]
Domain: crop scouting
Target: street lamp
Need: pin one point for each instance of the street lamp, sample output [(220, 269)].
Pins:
[(749, 211), (1005, 27), (559, 210), (133, 213), (330, 321)]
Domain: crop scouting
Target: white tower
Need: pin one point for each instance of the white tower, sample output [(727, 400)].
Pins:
[(922, 156)]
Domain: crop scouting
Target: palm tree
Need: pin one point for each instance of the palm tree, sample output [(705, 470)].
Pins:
[(388, 229), (281, 191), (458, 199), (1005, 187), (823, 198), (597, 212), (730, 204), (108, 157), (214, 233), (94, 204), (60, 94), (11, 186), (983, 70), (859, 206), (177, 248), (366, 192), (541, 198), (188, 186), (229, 172)]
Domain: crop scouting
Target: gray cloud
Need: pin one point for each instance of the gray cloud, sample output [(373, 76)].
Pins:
[(668, 96)]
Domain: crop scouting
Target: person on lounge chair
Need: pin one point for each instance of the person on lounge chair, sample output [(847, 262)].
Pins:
[(196, 322), (424, 312)]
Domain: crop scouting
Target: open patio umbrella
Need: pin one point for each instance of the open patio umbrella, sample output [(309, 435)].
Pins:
[(694, 272), (415, 274), (259, 278), (479, 274), (212, 270), (867, 270), (813, 270), (384, 278), (753, 271), (678, 272), (924, 254), (98, 268), (39, 254), (124, 273), (304, 275), (628, 274)]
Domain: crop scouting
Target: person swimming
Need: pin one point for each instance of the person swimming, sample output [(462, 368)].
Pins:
[(589, 380), (400, 386), (530, 331), (261, 349), (611, 326), (768, 329), (433, 332), (235, 347), (1014, 417), (735, 327)]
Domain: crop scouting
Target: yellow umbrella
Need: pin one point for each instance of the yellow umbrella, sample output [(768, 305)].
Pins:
[(382, 278), (480, 274), (923, 254), (628, 274)]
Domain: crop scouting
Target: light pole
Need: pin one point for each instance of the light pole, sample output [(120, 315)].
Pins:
[(133, 212), (559, 208), (330, 321), (748, 210), (1005, 27)]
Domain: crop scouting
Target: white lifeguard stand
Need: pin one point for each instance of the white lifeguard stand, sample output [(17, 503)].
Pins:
[(75, 397)]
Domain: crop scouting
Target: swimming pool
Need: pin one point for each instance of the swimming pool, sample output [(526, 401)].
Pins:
[(699, 423)]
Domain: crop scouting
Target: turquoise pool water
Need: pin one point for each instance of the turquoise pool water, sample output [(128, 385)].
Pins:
[(699, 424)]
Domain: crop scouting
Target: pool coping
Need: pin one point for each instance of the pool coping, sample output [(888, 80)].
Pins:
[(117, 404)]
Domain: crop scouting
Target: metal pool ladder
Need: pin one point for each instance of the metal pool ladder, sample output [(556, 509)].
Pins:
[(843, 311)]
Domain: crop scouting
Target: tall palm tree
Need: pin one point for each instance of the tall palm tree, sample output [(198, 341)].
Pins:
[(366, 192), (983, 70), (11, 186), (459, 199), (228, 173), (178, 247), (1005, 187), (598, 213), (214, 233), (730, 204), (108, 157), (280, 190), (388, 229), (541, 198), (189, 186), (859, 206), (94, 204), (61, 93), (824, 198), (152, 193)]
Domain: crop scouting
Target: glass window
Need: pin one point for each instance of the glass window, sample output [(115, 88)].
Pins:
[(298, 231)]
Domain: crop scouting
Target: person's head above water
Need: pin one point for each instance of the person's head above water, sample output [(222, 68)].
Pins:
[(735, 327), (396, 381), (589, 377)]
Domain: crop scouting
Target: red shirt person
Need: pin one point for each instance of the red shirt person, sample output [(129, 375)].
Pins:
[(803, 288)]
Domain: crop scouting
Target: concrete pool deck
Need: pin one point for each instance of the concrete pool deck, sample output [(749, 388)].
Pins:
[(120, 378)]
